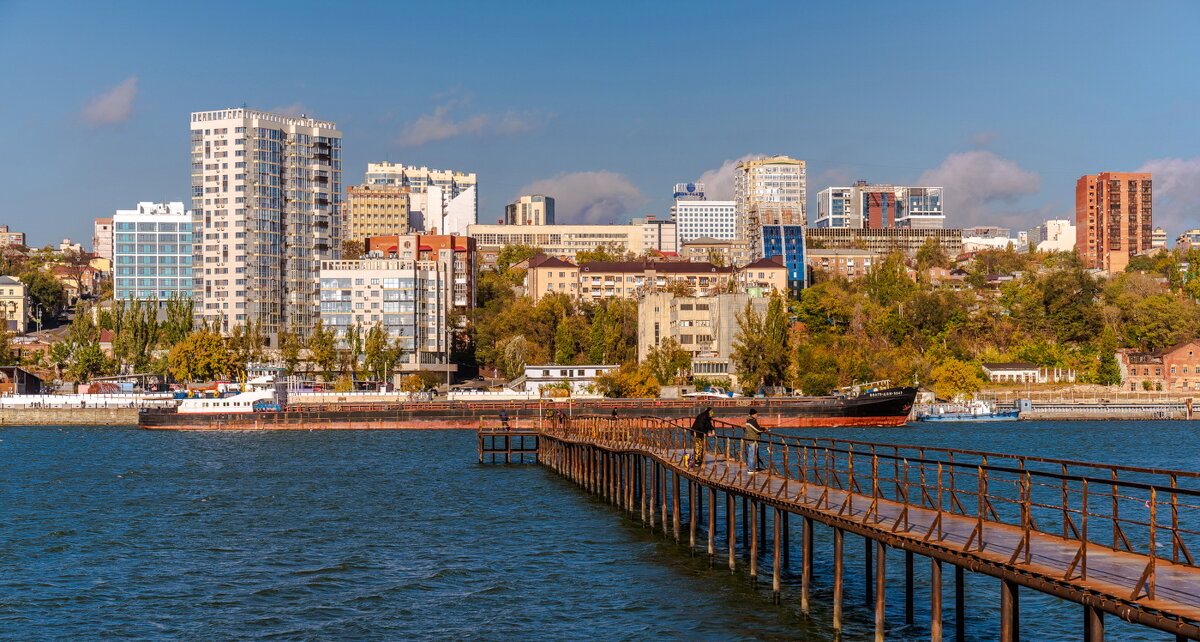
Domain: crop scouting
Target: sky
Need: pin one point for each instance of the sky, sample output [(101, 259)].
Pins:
[(605, 106)]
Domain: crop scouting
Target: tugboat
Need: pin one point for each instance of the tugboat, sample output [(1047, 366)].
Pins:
[(970, 411)]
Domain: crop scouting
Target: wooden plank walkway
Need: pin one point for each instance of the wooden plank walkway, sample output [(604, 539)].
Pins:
[(1160, 590)]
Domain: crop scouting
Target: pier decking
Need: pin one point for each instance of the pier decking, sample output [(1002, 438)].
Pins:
[(1113, 539)]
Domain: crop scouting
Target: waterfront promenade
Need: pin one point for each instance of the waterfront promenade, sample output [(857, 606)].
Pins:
[(1114, 539)]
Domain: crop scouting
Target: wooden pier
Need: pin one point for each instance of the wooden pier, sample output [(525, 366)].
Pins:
[(515, 443), (1115, 540)]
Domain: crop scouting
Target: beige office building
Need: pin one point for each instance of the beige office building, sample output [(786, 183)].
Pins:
[(598, 280), (266, 205), (11, 238), (705, 326), (376, 210), (769, 191), (530, 210), (565, 241)]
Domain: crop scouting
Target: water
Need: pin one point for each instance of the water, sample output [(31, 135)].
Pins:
[(119, 532)]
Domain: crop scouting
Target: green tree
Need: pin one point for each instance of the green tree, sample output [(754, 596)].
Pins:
[(667, 360), (354, 348), (931, 255), (45, 292), (570, 339), (761, 349), (178, 320), (510, 255), (601, 253), (322, 349), (380, 356), (202, 356), (1108, 373), (88, 361), (289, 351), (887, 281)]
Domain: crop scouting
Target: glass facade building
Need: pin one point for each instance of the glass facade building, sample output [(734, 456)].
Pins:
[(787, 241), (152, 252)]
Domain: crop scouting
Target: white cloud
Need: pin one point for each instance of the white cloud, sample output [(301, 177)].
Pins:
[(1176, 193), (442, 124), (113, 106), (976, 182), (718, 183), (589, 197)]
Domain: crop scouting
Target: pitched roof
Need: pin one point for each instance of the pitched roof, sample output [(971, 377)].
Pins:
[(543, 261), (769, 262), (1017, 365), (8, 280)]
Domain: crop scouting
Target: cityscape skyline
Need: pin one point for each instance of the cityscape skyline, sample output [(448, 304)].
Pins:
[(1000, 115)]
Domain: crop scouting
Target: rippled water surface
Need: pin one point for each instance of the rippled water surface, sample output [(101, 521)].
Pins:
[(119, 532)]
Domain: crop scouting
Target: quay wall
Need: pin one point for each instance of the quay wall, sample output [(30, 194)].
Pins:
[(68, 416)]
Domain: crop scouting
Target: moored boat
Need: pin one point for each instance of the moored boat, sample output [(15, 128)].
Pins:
[(970, 411)]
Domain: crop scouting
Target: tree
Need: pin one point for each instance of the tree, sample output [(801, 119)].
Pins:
[(630, 381), (762, 347), (135, 333), (716, 257), (246, 344), (353, 249), (289, 351), (380, 356), (931, 255), (322, 349), (601, 253), (202, 356), (178, 320), (887, 281), (569, 339), (1108, 373), (87, 361), (953, 377), (354, 347), (513, 254), (45, 292), (668, 359), (514, 356)]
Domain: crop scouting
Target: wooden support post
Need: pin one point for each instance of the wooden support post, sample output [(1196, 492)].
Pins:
[(731, 526), (1093, 624), (754, 510), (712, 522), (675, 506), (880, 590), (652, 478), (762, 529), (868, 567), (806, 562), (745, 519), (662, 497), (776, 562), (692, 517), (787, 548), (935, 600), (1010, 612), (838, 537), (908, 588), (960, 605)]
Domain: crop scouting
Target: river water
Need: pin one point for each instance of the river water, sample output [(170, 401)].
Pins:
[(120, 532)]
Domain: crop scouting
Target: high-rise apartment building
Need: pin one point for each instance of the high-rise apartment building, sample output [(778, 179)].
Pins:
[(1113, 218), (152, 252), (441, 201), (787, 243), (696, 217), (102, 238), (863, 206), (1158, 238), (266, 207), (769, 191), (661, 235), (530, 210), (376, 210)]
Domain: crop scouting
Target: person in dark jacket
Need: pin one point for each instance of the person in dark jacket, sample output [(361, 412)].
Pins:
[(751, 433), (702, 426), (504, 418)]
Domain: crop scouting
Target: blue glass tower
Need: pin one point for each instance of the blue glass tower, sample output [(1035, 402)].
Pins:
[(787, 241)]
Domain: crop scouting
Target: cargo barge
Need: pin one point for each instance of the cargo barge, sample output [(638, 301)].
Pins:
[(890, 407)]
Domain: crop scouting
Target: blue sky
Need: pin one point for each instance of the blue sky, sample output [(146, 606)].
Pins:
[(607, 105)]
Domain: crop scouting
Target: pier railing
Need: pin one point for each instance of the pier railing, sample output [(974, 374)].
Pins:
[(1095, 508)]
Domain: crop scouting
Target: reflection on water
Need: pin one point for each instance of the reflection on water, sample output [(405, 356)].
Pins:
[(374, 535)]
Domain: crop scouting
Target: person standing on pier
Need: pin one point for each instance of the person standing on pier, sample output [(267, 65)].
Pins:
[(504, 418), (701, 427), (751, 433)]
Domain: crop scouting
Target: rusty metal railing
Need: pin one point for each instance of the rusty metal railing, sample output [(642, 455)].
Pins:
[(1144, 511)]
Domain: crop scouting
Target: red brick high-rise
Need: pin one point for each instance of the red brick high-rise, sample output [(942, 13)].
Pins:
[(1113, 218)]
